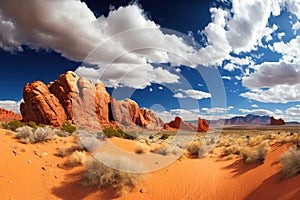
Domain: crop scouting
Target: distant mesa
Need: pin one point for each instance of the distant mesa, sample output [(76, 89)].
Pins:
[(84, 103), (178, 123), (8, 115), (277, 121)]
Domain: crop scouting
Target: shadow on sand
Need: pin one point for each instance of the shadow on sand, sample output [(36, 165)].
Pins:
[(239, 167), (72, 189), (273, 188)]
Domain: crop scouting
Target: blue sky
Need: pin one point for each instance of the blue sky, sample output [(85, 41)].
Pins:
[(187, 58)]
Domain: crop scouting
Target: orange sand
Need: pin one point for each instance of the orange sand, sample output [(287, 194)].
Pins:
[(36, 173)]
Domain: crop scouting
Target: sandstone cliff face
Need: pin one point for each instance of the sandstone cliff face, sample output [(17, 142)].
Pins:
[(41, 106), (277, 121), (8, 115), (87, 105)]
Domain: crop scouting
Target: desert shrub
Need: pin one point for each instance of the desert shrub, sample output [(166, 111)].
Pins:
[(32, 124), (290, 163), (256, 155), (193, 149), (61, 152), (233, 150), (62, 133), (68, 127), (141, 148), (29, 135), (255, 140), (164, 136), (97, 172), (112, 132), (24, 133), (87, 141), (12, 125), (77, 158)]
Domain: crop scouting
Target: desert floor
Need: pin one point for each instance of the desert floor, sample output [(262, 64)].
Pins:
[(34, 171)]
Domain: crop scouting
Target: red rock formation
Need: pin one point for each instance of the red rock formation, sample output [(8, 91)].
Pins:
[(203, 125), (41, 106), (86, 104), (8, 115), (128, 113), (178, 123), (277, 121)]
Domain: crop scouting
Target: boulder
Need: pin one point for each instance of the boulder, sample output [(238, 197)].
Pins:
[(8, 115), (277, 121), (41, 106), (203, 125)]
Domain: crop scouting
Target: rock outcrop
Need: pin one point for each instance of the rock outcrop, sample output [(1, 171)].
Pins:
[(86, 104), (178, 123), (8, 115), (41, 106), (277, 121), (203, 125)]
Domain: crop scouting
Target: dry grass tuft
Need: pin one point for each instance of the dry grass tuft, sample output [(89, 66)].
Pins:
[(290, 163), (100, 175), (77, 158), (256, 155), (194, 149), (141, 148)]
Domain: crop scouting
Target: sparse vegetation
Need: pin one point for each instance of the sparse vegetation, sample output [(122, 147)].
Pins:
[(12, 125), (256, 155), (99, 174), (112, 132), (193, 149), (164, 136), (32, 124), (68, 127), (77, 158), (29, 135), (290, 163), (141, 148), (87, 141)]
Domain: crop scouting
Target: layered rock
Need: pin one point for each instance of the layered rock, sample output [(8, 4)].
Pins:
[(203, 125), (8, 115), (41, 106), (277, 121), (87, 105)]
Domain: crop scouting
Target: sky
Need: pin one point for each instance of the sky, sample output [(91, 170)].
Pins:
[(214, 59)]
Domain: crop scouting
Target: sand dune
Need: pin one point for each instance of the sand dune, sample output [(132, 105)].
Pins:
[(32, 171)]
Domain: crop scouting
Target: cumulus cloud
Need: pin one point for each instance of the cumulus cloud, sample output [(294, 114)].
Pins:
[(254, 106), (276, 94), (11, 105), (272, 74), (126, 39), (216, 110), (257, 112), (290, 51), (194, 94)]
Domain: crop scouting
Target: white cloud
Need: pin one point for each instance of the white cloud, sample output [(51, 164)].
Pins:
[(160, 88), (150, 89), (216, 110), (290, 51), (11, 105), (194, 94), (296, 26), (257, 112), (272, 74), (226, 77), (276, 94), (254, 106)]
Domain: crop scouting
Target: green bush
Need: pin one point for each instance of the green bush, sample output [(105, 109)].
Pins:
[(13, 125), (32, 124), (68, 127), (112, 132), (164, 136)]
